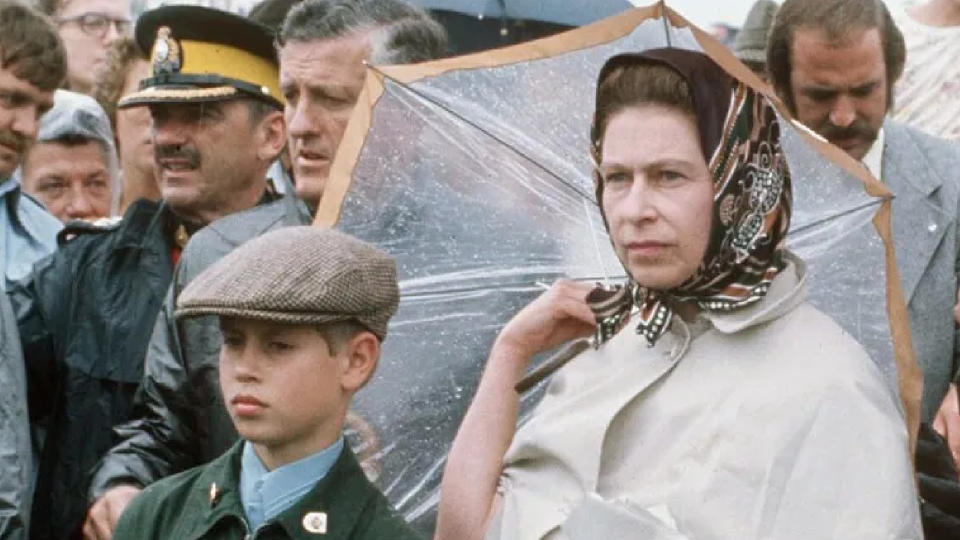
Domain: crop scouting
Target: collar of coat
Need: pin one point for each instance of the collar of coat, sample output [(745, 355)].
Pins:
[(787, 291), (341, 495)]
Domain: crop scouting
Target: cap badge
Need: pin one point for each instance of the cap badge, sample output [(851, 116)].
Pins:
[(167, 57), (315, 522)]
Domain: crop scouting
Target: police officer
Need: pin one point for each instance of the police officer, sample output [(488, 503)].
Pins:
[(87, 313)]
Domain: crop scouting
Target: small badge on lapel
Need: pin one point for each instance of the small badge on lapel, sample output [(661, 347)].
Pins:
[(167, 54), (214, 494), (315, 522)]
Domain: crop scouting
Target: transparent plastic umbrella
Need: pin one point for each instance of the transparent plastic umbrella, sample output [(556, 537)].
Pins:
[(474, 173)]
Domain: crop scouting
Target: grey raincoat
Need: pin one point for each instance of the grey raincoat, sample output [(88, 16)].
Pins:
[(15, 449)]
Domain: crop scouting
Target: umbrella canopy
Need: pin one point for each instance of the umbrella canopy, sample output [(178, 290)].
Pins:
[(475, 174)]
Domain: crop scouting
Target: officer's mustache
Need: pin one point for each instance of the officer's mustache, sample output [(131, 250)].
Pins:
[(13, 141), (189, 157)]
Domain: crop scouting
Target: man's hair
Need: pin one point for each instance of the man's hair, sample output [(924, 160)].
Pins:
[(30, 47), (839, 20), (49, 7), (121, 57), (639, 83), (271, 13), (339, 333), (402, 33), (71, 140), (259, 108)]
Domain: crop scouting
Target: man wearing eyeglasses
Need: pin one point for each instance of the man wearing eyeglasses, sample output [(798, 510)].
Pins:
[(87, 28)]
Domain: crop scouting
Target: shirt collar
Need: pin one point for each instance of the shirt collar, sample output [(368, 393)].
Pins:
[(873, 161), (265, 494), (786, 292), (8, 185)]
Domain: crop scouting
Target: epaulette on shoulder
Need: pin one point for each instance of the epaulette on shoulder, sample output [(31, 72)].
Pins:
[(79, 227)]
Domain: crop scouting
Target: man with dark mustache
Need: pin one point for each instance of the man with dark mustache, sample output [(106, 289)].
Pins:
[(834, 63), (87, 315)]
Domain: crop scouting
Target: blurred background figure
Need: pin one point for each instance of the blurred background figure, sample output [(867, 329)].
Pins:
[(750, 45), (477, 25), (126, 66), (724, 33), (87, 28), (72, 167), (928, 94)]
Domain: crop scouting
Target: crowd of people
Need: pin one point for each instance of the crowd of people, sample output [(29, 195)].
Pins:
[(179, 348)]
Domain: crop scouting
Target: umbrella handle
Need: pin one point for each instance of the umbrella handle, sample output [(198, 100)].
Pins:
[(551, 364)]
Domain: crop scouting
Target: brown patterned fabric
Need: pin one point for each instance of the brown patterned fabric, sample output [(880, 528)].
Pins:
[(740, 137), (298, 275)]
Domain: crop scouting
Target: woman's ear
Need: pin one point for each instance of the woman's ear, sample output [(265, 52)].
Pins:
[(360, 356), (271, 136)]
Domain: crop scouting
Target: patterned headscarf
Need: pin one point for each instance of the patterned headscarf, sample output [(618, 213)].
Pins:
[(740, 138)]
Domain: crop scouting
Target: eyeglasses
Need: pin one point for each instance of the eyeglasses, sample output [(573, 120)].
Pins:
[(97, 24)]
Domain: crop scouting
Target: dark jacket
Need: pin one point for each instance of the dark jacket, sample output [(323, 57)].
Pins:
[(179, 420), (85, 314), (204, 502)]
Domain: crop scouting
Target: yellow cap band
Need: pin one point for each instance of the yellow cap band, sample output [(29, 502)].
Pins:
[(205, 58)]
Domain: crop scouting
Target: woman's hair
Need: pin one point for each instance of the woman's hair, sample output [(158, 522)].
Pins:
[(639, 83)]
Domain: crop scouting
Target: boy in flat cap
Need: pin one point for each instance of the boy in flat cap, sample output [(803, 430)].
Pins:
[(303, 311), (213, 95)]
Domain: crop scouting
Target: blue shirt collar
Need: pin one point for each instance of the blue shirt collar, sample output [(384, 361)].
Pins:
[(265, 494), (27, 231), (9, 184)]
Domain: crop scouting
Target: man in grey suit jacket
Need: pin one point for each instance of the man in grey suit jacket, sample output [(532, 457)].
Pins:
[(834, 63)]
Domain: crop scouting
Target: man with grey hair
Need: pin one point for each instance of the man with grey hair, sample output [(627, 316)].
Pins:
[(323, 46), (72, 169)]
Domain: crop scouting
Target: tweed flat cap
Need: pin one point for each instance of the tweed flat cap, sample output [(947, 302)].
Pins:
[(298, 275)]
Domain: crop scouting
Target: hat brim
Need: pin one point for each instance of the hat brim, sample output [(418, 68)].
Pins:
[(178, 94), (283, 317)]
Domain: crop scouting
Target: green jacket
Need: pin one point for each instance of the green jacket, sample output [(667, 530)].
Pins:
[(204, 502)]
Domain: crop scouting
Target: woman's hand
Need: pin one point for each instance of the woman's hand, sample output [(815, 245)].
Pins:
[(557, 316), (476, 458)]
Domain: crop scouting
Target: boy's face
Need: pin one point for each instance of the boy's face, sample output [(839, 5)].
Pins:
[(283, 389)]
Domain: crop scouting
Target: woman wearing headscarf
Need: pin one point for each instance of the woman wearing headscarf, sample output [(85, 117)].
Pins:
[(716, 403)]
